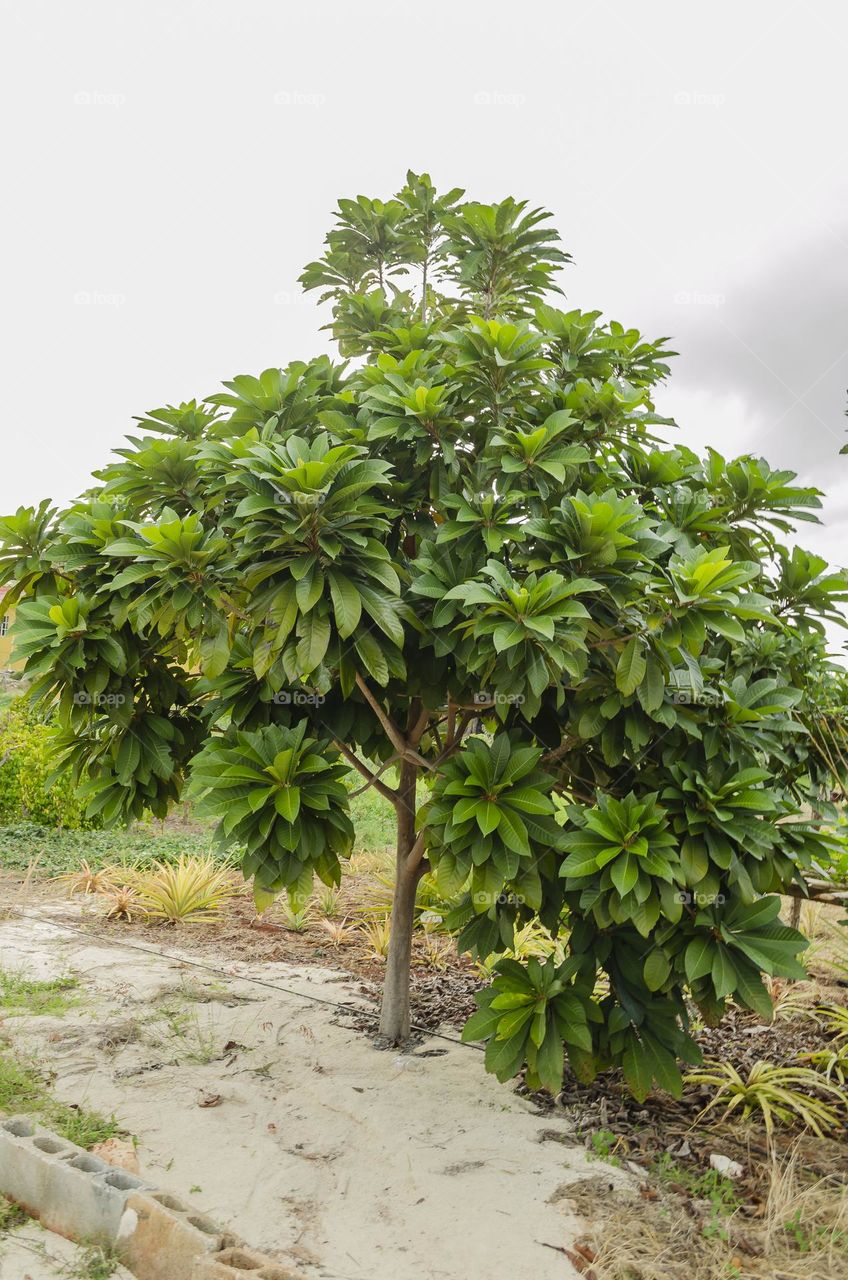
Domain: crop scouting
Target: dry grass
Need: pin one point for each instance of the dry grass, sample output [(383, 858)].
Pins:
[(798, 1231)]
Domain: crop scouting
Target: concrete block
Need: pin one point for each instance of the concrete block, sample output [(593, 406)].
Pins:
[(159, 1238), (77, 1195), (240, 1263), (70, 1191)]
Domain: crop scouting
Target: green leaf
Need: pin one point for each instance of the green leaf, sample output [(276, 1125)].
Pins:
[(631, 667), (656, 969)]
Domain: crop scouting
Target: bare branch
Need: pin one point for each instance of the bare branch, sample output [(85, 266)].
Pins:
[(398, 741), (373, 780)]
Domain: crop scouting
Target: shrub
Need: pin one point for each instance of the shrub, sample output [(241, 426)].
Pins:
[(28, 792)]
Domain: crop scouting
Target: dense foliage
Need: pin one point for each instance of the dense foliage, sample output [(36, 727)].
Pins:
[(28, 791), (467, 554)]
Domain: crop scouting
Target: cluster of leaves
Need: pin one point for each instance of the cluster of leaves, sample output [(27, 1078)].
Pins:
[(281, 796), (470, 554)]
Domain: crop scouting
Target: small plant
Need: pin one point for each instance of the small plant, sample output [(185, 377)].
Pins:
[(833, 1063), (327, 901), (123, 903), (777, 1093), (377, 934), (93, 1262), (835, 1020), (604, 1144), (788, 1002), (86, 880), (193, 889), (338, 931), (293, 917), (437, 952), (709, 1185), (11, 1215)]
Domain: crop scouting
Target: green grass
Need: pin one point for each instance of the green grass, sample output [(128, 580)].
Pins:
[(374, 819), (709, 1185), (19, 995), (11, 1215), (55, 852), (23, 1089)]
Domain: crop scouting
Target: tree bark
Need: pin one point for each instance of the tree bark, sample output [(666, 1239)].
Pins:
[(394, 1012)]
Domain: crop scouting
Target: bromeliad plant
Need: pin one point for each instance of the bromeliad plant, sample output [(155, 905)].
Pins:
[(467, 558)]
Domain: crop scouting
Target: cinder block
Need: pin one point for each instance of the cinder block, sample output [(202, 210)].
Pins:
[(69, 1191), (82, 1197), (240, 1263), (159, 1238)]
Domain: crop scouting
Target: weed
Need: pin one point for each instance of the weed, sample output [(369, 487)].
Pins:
[(11, 1215), (24, 1088), (19, 995), (604, 1144), (710, 1185), (93, 1262), (194, 1042)]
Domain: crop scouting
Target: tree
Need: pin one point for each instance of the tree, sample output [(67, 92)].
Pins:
[(578, 662)]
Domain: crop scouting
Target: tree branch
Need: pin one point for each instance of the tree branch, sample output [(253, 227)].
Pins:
[(373, 781), (393, 733)]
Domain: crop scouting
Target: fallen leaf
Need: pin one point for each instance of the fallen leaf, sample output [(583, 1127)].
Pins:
[(210, 1100)]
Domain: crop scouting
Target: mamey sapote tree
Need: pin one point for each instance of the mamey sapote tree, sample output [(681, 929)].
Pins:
[(578, 662)]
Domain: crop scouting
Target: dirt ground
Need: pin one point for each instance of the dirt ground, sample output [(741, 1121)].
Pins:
[(272, 1111), (30, 1253)]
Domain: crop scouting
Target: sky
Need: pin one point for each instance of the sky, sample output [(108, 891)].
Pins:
[(170, 166)]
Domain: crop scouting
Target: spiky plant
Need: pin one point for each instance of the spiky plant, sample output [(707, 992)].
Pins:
[(193, 889), (87, 879), (123, 903), (784, 1094), (338, 931), (377, 934)]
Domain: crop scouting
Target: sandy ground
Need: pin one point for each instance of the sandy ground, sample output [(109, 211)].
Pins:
[(274, 1115), (30, 1253)]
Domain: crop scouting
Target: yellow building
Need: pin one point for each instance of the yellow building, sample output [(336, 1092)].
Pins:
[(6, 621)]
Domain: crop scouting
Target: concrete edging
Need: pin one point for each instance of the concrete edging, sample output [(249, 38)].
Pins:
[(80, 1196)]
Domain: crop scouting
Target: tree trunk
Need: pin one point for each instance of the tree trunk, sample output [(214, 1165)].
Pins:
[(394, 1012)]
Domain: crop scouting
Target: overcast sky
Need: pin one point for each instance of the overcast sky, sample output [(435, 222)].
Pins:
[(170, 166)]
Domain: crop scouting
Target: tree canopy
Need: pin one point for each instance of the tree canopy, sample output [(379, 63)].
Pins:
[(583, 664)]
